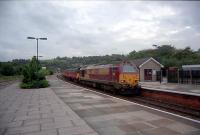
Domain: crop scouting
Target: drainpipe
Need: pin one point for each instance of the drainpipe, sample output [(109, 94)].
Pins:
[(139, 74), (160, 75), (190, 76)]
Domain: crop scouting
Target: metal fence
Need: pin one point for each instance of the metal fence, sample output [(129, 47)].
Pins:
[(184, 76), (173, 76), (189, 76)]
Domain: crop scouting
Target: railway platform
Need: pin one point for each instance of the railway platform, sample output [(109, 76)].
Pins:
[(187, 89), (38, 112), (67, 109), (108, 115)]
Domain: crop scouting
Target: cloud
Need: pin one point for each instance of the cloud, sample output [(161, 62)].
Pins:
[(95, 27)]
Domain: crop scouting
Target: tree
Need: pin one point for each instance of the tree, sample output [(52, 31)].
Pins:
[(184, 53), (132, 54), (7, 69), (198, 50), (165, 50), (30, 71), (33, 76)]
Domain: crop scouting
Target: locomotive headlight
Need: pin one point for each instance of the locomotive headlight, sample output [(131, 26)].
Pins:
[(123, 81)]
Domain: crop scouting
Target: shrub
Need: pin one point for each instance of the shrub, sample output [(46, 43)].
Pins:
[(7, 70), (46, 72), (41, 75), (43, 83), (35, 84), (50, 72), (34, 76), (27, 85)]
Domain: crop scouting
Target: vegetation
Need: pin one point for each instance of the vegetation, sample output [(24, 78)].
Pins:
[(7, 70), (12, 68), (167, 55), (45, 72), (35, 84), (10, 78), (66, 62), (34, 75)]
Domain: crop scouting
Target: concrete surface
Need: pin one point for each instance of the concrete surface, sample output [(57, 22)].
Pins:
[(65, 109), (38, 112), (111, 116), (174, 87)]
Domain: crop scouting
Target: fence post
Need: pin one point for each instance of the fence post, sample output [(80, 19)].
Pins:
[(190, 76), (178, 77), (167, 75), (160, 75)]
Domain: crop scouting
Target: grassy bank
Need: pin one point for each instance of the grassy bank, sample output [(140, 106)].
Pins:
[(10, 78)]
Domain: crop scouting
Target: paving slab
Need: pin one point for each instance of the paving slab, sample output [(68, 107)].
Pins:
[(66, 109), (37, 112), (172, 87), (108, 116)]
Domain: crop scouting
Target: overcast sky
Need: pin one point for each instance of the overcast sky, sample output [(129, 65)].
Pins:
[(95, 28)]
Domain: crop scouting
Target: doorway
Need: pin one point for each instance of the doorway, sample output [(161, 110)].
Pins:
[(148, 74)]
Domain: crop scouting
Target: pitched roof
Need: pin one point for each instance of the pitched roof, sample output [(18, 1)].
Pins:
[(138, 62), (142, 61)]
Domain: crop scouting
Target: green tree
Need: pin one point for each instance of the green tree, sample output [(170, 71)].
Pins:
[(30, 71), (7, 69), (34, 77), (165, 50)]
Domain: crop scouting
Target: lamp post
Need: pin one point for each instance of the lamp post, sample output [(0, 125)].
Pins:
[(156, 46), (37, 53), (37, 43)]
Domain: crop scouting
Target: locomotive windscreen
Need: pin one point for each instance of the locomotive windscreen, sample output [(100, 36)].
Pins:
[(128, 68)]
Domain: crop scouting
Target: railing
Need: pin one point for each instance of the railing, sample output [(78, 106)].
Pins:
[(184, 76)]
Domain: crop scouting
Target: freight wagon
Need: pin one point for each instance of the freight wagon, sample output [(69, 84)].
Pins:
[(72, 74)]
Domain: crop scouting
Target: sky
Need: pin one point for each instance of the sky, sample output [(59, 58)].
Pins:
[(94, 28)]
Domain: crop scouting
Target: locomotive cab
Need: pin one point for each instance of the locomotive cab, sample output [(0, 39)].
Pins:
[(128, 76)]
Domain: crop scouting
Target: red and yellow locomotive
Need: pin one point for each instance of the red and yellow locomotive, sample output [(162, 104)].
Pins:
[(119, 78)]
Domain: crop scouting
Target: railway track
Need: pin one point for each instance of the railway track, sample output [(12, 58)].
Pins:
[(186, 111)]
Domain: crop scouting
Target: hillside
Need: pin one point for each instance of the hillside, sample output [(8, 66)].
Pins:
[(167, 55)]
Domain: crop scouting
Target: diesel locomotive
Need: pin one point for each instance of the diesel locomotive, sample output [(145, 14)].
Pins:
[(119, 78)]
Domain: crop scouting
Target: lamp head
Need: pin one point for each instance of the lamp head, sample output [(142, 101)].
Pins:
[(43, 38), (30, 37)]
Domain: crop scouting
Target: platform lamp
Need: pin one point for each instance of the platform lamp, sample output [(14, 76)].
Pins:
[(37, 49), (37, 43)]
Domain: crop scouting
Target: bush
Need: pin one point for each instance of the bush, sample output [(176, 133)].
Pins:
[(43, 83), (35, 84), (27, 85), (50, 72), (34, 76), (41, 75), (7, 70), (46, 72)]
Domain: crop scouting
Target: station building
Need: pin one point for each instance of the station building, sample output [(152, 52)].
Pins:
[(149, 69), (191, 67)]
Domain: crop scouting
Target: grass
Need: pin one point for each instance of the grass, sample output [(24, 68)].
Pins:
[(10, 78)]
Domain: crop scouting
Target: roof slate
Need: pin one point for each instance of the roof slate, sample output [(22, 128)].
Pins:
[(139, 62)]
